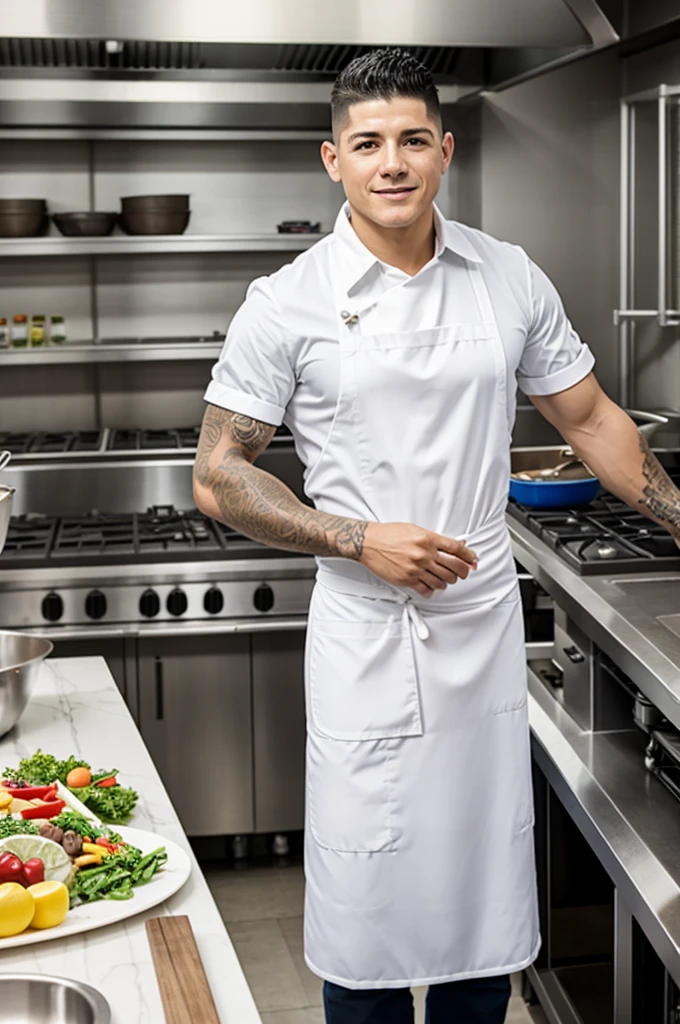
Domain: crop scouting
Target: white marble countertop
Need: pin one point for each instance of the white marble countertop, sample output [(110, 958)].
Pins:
[(76, 708)]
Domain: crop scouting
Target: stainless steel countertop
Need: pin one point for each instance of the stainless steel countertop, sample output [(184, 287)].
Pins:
[(627, 816), (634, 618)]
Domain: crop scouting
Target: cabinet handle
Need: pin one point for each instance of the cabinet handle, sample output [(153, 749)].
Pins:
[(574, 655), (159, 689)]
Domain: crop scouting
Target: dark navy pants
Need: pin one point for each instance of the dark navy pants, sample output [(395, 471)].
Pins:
[(477, 1001)]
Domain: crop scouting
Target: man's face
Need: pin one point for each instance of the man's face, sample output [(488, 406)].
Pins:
[(390, 157)]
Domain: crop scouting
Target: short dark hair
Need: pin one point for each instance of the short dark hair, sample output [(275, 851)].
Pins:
[(383, 74)]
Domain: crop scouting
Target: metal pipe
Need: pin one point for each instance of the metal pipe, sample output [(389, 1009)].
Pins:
[(640, 314), (663, 207), (624, 238)]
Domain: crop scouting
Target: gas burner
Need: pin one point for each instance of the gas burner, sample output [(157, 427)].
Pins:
[(602, 548), (606, 536), (28, 537), (82, 537), (162, 533), (55, 442)]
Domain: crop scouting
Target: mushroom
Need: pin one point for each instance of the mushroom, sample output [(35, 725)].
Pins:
[(72, 843), (49, 831)]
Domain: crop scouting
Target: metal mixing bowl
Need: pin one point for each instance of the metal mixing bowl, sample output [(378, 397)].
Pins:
[(41, 999), (6, 495), (20, 658)]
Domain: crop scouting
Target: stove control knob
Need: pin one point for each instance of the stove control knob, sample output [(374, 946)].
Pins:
[(95, 605), (177, 602), (213, 602), (149, 604), (52, 607), (263, 599)]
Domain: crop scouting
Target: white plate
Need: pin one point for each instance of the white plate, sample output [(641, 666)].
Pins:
[(84, 918)]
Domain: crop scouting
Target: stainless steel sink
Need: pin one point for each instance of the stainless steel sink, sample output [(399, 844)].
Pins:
[(41, 999)]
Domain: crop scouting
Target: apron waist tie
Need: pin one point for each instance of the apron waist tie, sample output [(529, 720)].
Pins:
[(413, 613)]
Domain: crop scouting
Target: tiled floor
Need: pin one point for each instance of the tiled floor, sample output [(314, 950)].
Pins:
[(262, 908)]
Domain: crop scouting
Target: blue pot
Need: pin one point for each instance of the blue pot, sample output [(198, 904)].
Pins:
[(554, 493)]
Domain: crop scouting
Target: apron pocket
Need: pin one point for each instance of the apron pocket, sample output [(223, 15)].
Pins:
[(362, 680), (350, 793)]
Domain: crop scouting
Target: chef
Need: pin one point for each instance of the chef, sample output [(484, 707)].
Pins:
[(392, 350)]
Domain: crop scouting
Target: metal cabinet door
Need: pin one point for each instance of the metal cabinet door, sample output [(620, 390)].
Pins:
[(194, 696), (279, 730)]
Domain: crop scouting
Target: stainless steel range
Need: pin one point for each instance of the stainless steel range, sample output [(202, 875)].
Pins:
[(177, 566), (202, 628), (605, 536)]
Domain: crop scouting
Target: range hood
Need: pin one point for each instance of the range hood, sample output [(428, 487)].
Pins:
[(262, 63)]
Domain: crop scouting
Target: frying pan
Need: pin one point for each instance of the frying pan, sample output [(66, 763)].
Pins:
[(578, 486), (554, 493)]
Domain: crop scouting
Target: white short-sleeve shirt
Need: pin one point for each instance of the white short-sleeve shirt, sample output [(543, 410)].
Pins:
[(281, 359)]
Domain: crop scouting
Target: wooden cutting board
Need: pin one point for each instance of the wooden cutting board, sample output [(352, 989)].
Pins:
[(184, 987)]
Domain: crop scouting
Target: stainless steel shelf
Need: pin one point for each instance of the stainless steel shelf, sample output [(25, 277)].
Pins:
[(124, 351), (166, 134), (123, 245)]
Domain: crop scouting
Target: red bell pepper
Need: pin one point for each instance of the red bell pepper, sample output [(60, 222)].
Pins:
[(48, 810), (106, 783), (30, 792), (11, 868), (33, 871)]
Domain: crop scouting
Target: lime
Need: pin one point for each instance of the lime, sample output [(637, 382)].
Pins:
[(58, 864)]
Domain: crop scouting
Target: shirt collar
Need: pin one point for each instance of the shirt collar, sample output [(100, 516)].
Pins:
[(357, 260)]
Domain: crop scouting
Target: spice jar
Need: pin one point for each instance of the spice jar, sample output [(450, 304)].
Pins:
[(57, 330), (4, 332), (38, 330), (19, 331)]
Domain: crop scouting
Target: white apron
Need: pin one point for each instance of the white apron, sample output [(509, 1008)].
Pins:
[(419, 841)]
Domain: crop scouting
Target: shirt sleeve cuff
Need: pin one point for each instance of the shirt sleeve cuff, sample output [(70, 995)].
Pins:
[(563, 379), (246, 405)]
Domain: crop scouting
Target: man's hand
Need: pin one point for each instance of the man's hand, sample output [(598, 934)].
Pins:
[(409, 556)]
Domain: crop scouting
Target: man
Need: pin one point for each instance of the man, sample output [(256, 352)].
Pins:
[(392, 349)]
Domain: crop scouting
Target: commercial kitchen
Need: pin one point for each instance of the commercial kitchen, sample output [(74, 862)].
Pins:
[(178, 643)]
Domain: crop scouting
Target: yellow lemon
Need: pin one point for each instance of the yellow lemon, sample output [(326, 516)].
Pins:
[(51, 904), (16, 909), (5, 798)]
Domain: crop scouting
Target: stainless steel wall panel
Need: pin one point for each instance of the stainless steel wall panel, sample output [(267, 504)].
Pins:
[(58, 286), (176, 295), (550, 166), (27, 171), (47, 398), (74, 488), (235, 187), (153, 395)]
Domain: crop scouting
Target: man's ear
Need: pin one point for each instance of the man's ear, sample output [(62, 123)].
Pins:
[(448, 147), (329, 155)]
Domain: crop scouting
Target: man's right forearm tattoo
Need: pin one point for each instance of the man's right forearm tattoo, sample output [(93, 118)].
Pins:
[(257, 503)]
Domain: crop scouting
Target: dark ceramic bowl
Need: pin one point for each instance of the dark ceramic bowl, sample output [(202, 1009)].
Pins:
[(174, 202), (155, 222), (85, 224)]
